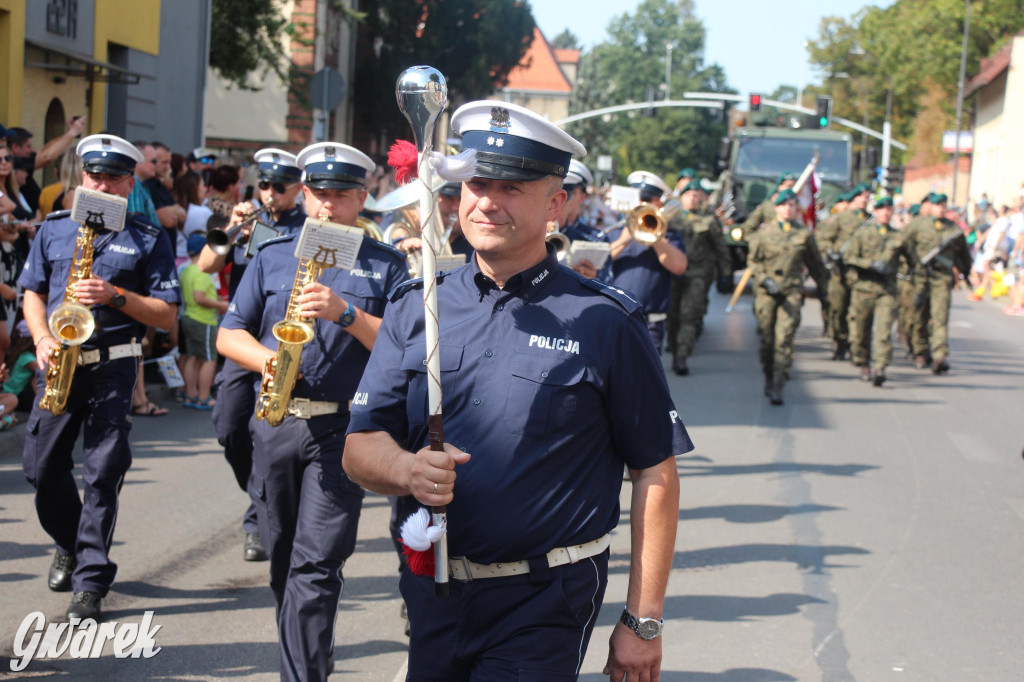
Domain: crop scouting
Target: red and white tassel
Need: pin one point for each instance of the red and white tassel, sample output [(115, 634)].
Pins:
[(418, 538)]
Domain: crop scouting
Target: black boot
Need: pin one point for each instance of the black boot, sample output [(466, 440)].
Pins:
[(842, 350), (939, 365), (679, 367), (775, 394), (85, 605), (60, 572), (879, 377), (253, 548)]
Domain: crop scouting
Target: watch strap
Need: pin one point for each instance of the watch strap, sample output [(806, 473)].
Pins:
[(347, 317), (634, 624)]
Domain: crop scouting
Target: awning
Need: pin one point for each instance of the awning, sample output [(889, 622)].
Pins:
[(82, 65)]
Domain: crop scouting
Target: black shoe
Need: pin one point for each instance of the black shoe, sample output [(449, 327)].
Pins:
[(940, 365), (330, 665), (879, 378), (679, 367), (60, 572), (775, 397), (254, 548), (85, 605), (842, 351), (865, 374)]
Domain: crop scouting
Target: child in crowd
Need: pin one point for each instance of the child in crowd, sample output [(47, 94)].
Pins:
[(199, 326), (21, 362)]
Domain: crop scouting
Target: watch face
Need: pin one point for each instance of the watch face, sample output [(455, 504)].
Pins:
[(649, 629), (117, 300)]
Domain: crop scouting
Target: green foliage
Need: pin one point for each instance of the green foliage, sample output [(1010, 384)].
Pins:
[(629, 64), (566, 40), (914, 46), (474, 43), (245, 38)]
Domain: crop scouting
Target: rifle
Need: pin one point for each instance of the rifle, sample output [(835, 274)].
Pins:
[(946, 242)]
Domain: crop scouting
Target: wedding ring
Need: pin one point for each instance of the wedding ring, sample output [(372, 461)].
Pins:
[(435, 488)]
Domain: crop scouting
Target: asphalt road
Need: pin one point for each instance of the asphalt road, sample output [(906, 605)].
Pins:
[(855, 533)]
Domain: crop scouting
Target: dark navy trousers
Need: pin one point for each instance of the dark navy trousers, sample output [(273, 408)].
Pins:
[(236, 401), (524, 628), (100, 405), (308, 513)]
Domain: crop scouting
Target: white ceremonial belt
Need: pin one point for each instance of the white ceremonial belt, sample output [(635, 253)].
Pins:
[(125, 350), (461, 568), (656, 317), (304, 408)]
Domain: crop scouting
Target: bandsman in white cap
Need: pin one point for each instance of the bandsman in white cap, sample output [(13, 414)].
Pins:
[(647, 269), (307, 508), (133, 283), (570, 217), (550, 384)]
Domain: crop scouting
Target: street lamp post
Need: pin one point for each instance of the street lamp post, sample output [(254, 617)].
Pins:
[(960, 97), (668, 72)]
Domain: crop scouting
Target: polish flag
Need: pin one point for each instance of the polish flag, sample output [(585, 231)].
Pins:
[(807, 199)]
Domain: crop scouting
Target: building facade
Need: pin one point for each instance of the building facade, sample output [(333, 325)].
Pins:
[(544, 80), (123, 64)]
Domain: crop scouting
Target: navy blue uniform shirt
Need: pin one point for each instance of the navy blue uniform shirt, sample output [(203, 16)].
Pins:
[(461, 245), (580, 230), (289, 221), (333, 361), (637, 270), (138, 259), (551, 384)]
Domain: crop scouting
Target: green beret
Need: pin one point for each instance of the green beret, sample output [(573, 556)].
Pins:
[(926, 199), (883, 201), (842, 196), (915, 209), (686, 173), (784, 196), (936, 198), (783, 178), (693, 185), (860, 189)]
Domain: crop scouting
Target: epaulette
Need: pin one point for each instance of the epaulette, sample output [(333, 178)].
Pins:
[(620, 296), (57, 215), (408, 285), (143, 224), (276, 240), (386, 248)]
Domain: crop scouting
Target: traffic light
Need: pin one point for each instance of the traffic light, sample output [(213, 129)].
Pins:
[(824, 111), (893, 176), (755, 102)]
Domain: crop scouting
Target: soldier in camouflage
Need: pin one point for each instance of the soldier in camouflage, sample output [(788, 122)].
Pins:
[(706, 251), (905, 294), (832, 236), (828, 226), (933, 281), (764, 213), (873, 254), (779, 252)]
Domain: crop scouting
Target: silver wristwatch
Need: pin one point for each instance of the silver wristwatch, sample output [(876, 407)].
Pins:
[(645, 628)]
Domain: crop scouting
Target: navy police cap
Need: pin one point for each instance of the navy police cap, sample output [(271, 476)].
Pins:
[(277, 165), (331, 165), (513, 143), (108, 154)]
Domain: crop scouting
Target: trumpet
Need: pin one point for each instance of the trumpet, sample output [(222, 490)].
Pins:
[(220, 241), (561, 242), (648, 223)]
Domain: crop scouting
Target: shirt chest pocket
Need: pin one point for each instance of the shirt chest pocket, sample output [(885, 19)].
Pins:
[(117, 268), (414, 364), (543, 392)]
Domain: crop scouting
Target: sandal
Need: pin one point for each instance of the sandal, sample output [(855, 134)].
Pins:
[(149, 409), (8, 422), (206, 404), (191, 401)]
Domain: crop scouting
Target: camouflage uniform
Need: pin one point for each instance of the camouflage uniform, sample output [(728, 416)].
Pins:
[(933, 283), (905, 301), (780, 252), (763, 213), (828, 226), (873, 298), (705, 251), (832, 236)]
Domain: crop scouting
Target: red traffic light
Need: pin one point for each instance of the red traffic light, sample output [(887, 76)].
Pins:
[(755, 102)]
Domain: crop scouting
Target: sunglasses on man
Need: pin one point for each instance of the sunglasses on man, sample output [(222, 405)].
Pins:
[(278, 187)]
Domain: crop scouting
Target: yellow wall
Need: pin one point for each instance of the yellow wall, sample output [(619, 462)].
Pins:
[(12, 52), (132, 23)]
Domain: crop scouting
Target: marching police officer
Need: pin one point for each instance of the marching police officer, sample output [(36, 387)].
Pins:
[(307, 508), (706, 252), (279, 176), (647, 270), (832, 236), (570, 219), (550, 383), (779, 253), (934, 279), (874, 252), (133, 283)]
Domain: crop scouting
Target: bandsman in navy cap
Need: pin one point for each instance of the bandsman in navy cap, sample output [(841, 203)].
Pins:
[(307, 509), (706, 254), (780, 253), (550, 383), (832, 236), (874, 253), (934, 279), (133, 284), (647, 270), (570, 217), (765, 211)]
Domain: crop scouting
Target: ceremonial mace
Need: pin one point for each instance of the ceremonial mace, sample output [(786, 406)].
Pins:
[(422, 95)]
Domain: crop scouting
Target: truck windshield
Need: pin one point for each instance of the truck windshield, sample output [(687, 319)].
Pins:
[(765, 157)]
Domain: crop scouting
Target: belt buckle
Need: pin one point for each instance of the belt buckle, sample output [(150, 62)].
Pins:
[(301, 408)]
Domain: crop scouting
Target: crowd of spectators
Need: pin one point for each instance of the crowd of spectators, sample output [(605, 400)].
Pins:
[(996, 237)]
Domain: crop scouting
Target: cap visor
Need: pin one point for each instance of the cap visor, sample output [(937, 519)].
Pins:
[(494, 171), (333, 184)]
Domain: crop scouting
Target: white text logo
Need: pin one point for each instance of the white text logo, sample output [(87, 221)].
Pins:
[(567, 345), (82, 639)]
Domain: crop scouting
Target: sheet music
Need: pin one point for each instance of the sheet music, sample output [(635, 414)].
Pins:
[(622, 198), (99, 209), (330, 244), (596, 252)]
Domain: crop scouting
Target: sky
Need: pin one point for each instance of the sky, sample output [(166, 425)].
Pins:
[(758, 43)]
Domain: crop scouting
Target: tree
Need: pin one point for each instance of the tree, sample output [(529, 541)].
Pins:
[(630, 64), (566, 40), (913, 48), (245, 38), (474, 43)]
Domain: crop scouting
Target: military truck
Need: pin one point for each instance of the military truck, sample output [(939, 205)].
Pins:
[(752, 159)]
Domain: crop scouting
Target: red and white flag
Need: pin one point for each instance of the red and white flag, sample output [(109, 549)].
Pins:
[(807, 198)]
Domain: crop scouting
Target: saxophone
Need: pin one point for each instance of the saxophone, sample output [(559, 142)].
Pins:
[(292, 333), (72, 324)]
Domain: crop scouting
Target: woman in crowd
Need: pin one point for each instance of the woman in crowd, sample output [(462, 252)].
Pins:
[(189, 191), (223, 190)]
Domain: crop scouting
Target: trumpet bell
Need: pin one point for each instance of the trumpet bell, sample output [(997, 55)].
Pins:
[(561, 243), (220, 241), (648, 224), (371, 228), (72, 323)]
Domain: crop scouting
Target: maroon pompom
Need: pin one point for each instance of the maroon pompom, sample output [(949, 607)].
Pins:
[(420, 563), (403, 158)]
